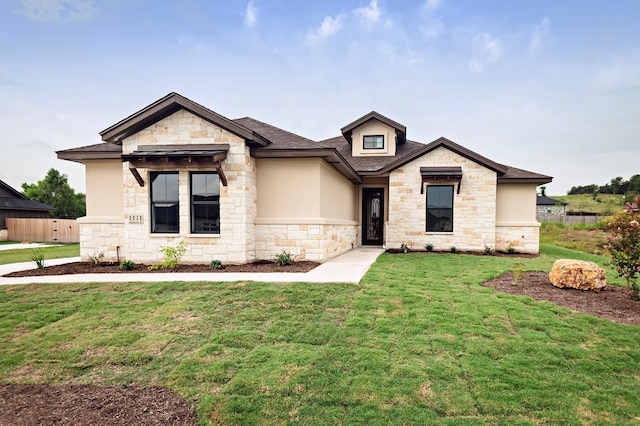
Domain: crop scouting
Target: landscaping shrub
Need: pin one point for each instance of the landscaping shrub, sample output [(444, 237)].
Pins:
[(284, 258), (126, 265), (623, 244)]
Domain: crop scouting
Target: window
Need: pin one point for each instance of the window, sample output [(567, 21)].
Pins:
[(164, 202), (439, 208), (205, 203), (373, 142)]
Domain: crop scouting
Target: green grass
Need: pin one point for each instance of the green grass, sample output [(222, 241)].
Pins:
[(420, 341), (25, 255), (583, 237), (9, 242), (604, 204)]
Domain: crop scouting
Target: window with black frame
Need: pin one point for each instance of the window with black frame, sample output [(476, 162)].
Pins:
[(373, 142), (439, 208), (205, 203), (165, 205)]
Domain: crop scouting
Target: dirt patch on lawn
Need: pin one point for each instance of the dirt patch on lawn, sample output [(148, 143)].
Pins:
[(107, 268), (22, 405), (614, 303)]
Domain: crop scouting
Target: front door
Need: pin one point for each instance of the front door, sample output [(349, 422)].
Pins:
[(372, 216)]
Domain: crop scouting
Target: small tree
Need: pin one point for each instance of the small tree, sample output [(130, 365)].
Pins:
[(54, 190), (624, 244)]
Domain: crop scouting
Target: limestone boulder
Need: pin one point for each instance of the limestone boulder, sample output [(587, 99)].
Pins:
[(578, 274)]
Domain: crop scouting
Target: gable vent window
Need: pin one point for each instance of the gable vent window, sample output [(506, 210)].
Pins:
[(373, 142)]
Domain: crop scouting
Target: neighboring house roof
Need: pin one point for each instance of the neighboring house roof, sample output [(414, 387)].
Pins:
[(18, 201), (543, 200), (267, 141)]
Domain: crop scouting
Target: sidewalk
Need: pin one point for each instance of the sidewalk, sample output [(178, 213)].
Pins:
[(349, 267)]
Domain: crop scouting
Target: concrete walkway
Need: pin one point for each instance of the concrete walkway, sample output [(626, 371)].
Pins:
[(349, 267)]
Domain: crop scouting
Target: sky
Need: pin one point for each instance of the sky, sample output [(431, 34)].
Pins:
[(544, 85)]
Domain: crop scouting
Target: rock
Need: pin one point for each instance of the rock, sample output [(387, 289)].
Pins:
[(578, 274)]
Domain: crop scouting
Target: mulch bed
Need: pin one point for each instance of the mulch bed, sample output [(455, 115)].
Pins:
[(473, 253), (614, 303), (108, 268), (30, 405)]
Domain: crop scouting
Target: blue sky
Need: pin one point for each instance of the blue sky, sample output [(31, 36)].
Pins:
[(548, 86)]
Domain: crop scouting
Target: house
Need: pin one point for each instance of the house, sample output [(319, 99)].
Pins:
[(14, 204), (239, 190), (549, 206)]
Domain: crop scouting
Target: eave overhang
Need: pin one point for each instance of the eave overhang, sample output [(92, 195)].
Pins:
[(102, 151), (168, 105), (330, 155), (539, 181)]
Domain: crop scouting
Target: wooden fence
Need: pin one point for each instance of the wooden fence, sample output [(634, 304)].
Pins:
[(567, 219), (43, 230)]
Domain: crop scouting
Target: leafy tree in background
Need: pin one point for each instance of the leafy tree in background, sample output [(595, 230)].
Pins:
[(55, 191)]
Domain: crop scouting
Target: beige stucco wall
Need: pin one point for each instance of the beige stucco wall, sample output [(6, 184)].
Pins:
[(474, 207), (236, 241), (516, 202), (104, 188), (288, 188), (516, 223), (372, 128), (337, 195), (304, 207)]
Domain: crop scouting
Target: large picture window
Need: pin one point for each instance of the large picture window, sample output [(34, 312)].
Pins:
[(439, 208), (205, 203), (373, 142), (165, 206)]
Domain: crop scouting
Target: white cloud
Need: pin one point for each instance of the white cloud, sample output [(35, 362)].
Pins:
[(538, 35), (370, 13), (330, 25), (432, 4), (57, 10), (487, 51), (251, 14), (431, 27)]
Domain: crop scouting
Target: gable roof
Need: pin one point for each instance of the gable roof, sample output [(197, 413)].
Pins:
[(543, 200), (19, 201), (166, 106), (267, 141), (401, 131)]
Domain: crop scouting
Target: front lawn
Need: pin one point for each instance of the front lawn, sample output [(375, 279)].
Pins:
[(26, 255), (418, 342)]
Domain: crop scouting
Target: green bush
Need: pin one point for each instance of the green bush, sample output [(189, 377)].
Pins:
[(453, 249), (428, 247), (284, 258), (171, 256), (126, 265), (488, 251), (216, 264), (404, 247)]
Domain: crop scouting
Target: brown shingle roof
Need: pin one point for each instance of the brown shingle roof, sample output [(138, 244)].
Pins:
[(98, 151), (279, 138)]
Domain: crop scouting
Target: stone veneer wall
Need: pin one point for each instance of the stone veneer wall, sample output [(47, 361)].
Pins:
[(316, 242), (102, 235), (236, 241), (4, 234), (523, 238), (474, 215)]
